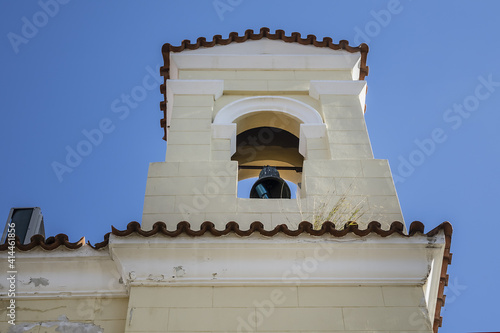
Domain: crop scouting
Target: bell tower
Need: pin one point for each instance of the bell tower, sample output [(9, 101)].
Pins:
[(300, 251), (234, 106)]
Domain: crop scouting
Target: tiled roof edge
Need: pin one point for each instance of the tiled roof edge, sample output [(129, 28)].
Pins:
[(184, 227), (232, 227), (50, 243), (295, 37), (443, 279)]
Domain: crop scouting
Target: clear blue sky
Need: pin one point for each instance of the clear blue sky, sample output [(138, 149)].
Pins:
[(62, 78)]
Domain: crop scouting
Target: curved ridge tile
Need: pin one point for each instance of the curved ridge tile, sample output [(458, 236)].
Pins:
[(102, 244), (50, 243), (416, 226)]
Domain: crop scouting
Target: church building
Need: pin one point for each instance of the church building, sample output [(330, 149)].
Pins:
[(269, 213)]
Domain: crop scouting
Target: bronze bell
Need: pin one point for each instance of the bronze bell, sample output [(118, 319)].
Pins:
[(270, 185)]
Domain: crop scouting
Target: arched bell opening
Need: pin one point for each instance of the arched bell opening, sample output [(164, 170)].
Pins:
[(265, 115), (261, 146), (268, 139), (275, 119)]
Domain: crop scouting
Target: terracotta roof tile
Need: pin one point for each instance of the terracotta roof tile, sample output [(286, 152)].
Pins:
[(233, 37), (50, 243), (328, 228)]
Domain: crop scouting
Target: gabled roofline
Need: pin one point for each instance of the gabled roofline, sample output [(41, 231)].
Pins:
[(295, 37)]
